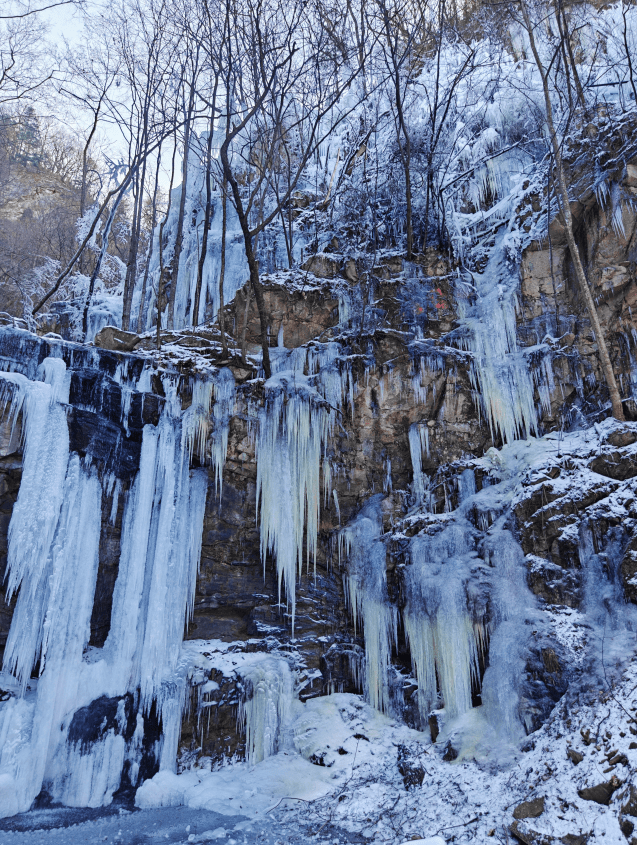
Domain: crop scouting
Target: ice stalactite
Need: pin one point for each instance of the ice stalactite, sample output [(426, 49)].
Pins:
[(293, 428), (267, 708), (294, 424), (500, 370), (206, 422), (419, 445), (441, 632), (364, 556)]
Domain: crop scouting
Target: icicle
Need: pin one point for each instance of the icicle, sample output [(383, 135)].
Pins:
[(294, 425), (419, 444)]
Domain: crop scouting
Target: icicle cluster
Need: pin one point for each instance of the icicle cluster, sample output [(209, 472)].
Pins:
[(440, 631), (293, 429), (52, 564)]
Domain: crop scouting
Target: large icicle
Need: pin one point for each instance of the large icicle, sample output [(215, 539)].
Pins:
[(32, 725), (439, 628), (500, 369), (294, 424), (53, 557), (366, 591)]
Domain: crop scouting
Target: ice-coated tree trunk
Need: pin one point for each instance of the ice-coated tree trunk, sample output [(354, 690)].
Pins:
[(582, 281)]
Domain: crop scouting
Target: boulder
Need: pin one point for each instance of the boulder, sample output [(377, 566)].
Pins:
[(601, 793), (115, 339), (529, 809)]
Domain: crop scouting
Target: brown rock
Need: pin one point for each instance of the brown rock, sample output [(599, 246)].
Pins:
[(115, 339), (575, 756), (323, 266), (601, 793), (350, 272), (529, 809), (528, 836), (630, 807)]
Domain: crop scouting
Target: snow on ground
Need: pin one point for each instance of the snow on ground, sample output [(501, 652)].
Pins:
[(353, 791), (353, 786)]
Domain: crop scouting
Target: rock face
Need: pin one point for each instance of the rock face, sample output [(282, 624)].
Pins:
[(410, 431)]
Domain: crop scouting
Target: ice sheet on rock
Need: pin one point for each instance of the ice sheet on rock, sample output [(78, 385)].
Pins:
[(363, 555), (266, 710), (514, 611), (439, 626)]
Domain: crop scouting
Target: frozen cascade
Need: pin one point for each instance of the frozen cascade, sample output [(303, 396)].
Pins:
[(443, 638), (267, 708), (366, 592), (514, 612), (294, 426), (613, 620), (32, 724), (53, 556), (419, 444), (500, 369)]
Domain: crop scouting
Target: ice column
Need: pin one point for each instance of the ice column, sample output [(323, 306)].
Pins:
[(419, 444), (366, 592), (266, 710), (53, 557), (439, 628)]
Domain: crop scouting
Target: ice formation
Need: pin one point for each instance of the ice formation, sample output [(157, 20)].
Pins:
[(52, 564), (500, 368), (419, 444), (440, 629), (364, 556), (266, 710), (294, 424)]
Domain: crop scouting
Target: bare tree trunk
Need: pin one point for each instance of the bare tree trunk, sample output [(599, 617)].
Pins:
[(98, 265), (131, 265), (85, 172), (604, 356), (207, 216), (222, 269), (163, 272), (627, 49), (141, 317), (179, 239), (257, 289)]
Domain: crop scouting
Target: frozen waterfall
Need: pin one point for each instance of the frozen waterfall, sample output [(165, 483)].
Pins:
[(54, 539)]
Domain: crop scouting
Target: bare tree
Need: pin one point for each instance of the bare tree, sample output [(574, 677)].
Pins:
[(530, 27)]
